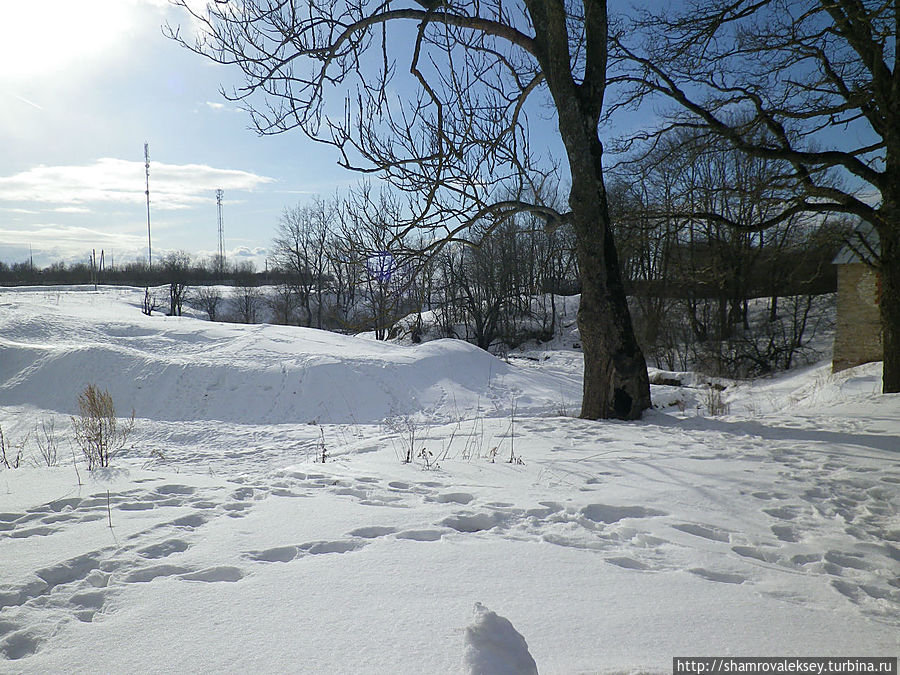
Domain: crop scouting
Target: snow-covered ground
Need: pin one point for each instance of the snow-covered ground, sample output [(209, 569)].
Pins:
[(606, 547)]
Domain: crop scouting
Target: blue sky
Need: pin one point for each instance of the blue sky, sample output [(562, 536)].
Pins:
[(82, 86)]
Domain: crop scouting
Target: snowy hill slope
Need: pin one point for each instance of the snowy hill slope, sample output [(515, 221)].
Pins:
[(54, 342), (610, 547)]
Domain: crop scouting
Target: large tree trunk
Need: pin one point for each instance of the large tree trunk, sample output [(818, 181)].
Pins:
[(616, 384), (615, 373), (890, 298)]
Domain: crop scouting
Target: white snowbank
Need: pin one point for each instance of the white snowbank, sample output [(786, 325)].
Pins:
[(53, 343)]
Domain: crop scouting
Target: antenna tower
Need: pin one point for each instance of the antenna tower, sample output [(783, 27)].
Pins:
[(220, 262), (147, 192)]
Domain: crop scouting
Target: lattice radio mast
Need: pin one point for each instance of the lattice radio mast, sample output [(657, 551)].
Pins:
[(221, 260), (147, 192)]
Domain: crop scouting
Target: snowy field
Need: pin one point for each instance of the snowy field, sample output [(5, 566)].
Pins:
[(609, 547)]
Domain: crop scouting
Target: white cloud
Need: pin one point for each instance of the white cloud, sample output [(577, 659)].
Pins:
[(29, 212), (72, 209), (108, 180), (247, 252), (52, 236)]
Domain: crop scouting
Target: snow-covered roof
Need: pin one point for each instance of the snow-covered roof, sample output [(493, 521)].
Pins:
[(863, 245)]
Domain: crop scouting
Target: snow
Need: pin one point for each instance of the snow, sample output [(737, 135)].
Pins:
[(610, 547), (495, 647)]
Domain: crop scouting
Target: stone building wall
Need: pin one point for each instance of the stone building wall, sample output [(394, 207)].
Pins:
[(857, 337)]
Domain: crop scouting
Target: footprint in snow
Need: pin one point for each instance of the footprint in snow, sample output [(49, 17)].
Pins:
[(288, 553), (845, 560), (627, 563), (372, 532), (20, 644), (603, 513), (704, 531), (720, 577), (785, 533), (755, 553), (420, 535), (175, 490), (451, 498), (474, 522), (163, 549)]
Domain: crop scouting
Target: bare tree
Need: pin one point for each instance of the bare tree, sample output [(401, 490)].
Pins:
[(207, 299), (245, 295), (299, 249), (246, 300), (815, 83), (177, 268), (694, 275), (283, 303), (441, 99), (381, 264)]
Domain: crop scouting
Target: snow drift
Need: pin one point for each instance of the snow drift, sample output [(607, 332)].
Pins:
[(180, 368)]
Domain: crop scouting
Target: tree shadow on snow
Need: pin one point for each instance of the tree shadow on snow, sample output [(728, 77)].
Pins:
[(884, 443)]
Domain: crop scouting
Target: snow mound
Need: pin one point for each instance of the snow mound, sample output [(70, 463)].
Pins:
[(180, 368), (495, 647)]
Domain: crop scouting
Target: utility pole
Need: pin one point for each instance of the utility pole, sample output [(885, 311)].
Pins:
[(220, 262), (147, 192)]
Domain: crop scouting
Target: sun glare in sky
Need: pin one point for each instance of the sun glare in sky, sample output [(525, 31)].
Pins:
[(40, 39)]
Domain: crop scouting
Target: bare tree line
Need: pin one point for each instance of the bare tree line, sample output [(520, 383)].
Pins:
[(345, 266), (688, 212), (345, 263)]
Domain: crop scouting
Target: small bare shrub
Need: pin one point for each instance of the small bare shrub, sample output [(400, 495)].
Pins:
[(97, 429), (321, 449), (47, 442), (715, 402), (428, 460), (10, 455), (407, 429)]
